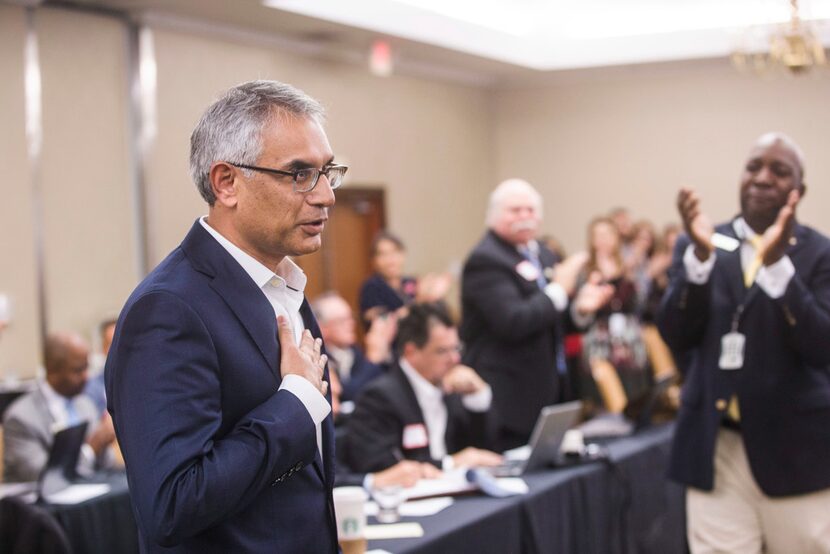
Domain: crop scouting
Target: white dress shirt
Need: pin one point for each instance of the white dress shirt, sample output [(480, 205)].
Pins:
[(772, 279), (284, 290), (431, 401)]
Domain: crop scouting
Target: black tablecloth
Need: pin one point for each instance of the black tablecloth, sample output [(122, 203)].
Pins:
[(624, 505), (103, 524)]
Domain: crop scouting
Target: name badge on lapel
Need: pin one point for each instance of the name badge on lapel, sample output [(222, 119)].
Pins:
[(732, 351), (414, 436), (527, 270), (724, 242)]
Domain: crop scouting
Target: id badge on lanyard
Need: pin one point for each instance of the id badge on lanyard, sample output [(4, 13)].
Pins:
[(732, 345)]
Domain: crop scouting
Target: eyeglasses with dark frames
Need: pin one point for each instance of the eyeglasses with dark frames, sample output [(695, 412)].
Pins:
[(305, 179)]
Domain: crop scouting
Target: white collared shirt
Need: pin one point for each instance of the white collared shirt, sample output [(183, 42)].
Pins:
[(284, 291), (344, 358), (772, 279), (431, 401), (56, 403)]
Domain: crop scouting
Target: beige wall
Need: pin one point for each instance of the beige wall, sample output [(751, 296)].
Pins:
[(612, 137), (87, 213), (589, 141), (20, 343)]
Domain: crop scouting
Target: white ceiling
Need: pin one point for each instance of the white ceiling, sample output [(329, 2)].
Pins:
[(486, 42), (552, 34)]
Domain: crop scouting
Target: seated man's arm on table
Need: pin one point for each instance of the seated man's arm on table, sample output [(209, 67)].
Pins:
[(166, 400)]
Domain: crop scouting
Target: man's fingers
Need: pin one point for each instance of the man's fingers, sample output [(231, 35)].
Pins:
[(318, 346), (307, 342), (324, 387), (284, 331)]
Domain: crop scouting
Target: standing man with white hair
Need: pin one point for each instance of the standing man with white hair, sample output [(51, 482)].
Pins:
[(750, 299), (515, 306), (215, 379)]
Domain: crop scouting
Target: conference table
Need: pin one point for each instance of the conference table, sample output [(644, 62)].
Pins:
[(623, 505)]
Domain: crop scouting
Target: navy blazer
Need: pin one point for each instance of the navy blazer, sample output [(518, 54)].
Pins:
[(363, 372), (218, 460), (783, 388), (510, 330), (386, 406)]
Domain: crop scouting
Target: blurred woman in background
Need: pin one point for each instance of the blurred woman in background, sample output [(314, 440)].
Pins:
[(388, 290)]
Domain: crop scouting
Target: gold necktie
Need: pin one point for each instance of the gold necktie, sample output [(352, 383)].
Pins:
[(752, 268), (734, 411)]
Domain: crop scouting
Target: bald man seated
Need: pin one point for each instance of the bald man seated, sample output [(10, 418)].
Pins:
[(30, 423)]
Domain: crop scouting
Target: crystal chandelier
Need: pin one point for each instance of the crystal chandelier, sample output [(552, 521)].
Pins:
[(793, 46)]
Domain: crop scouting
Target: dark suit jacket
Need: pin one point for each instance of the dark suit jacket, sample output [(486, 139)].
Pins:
[(509, 329), (387, 405), (784, 386), (217, 459), (362, 373)]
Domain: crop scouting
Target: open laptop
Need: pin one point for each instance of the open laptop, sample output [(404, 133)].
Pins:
[(60, 470), (543, 449)]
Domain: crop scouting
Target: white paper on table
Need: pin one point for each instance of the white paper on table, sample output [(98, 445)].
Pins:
[(75, 494), (452, 482), (516, 485), (16, 489), (415, 508), (394, 531), (378, 551)]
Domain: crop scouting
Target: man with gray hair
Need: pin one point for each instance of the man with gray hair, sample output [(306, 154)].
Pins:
[(215, 379), (750, 301), (515, 307)]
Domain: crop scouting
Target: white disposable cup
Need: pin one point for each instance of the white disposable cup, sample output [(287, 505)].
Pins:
[(350, 513), (573, 442)]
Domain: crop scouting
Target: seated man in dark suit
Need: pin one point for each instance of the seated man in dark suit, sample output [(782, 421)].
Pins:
[(405, 473), (337, 325), (428, 407), (31, 421)]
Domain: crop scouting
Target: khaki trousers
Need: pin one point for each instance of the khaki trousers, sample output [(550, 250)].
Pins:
[(736, 517)]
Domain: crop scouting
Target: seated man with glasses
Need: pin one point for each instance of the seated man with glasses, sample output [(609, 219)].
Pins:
[(428, 408)]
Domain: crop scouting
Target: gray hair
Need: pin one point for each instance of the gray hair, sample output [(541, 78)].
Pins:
[(505, 190), (231, 128), (774, 136), (319, 304)]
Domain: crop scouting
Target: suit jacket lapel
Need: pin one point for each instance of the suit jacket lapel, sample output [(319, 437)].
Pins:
[(511, 258), (731, 263), (324, 470), (410, 408), (238, 291)]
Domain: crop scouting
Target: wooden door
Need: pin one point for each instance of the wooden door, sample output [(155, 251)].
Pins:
[(343, 263)]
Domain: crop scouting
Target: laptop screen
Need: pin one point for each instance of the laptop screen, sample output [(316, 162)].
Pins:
[(61, 466)]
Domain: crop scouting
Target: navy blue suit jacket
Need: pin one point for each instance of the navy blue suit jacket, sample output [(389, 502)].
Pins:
[(363, 372), (218, 460), (784, 386)]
